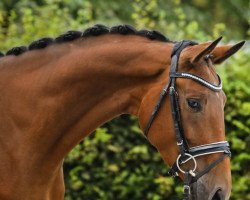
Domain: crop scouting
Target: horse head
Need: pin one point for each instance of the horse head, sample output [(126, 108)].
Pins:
[(187, 123)]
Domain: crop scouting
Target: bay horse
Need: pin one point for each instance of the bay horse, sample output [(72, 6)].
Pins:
[(55, 92)]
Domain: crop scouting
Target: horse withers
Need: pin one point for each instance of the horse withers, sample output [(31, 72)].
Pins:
[(55, 92)]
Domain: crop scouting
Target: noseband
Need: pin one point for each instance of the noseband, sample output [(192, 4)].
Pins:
[(187, 153)]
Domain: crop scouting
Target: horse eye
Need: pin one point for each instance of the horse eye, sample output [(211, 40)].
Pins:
[(194, 104)]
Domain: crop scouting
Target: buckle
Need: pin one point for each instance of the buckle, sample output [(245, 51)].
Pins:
[(180, 143), (173, 173), (186, 189), (191, 172), (171, 88)]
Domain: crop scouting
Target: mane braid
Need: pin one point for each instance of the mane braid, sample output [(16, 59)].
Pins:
[(153, 35), (69, 36), (123, 29), (96, 30), (41, 43), (17, 50)]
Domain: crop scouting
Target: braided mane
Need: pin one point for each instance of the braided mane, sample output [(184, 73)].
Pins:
[(96, 30)]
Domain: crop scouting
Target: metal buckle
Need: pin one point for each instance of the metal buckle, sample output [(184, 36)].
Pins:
[(186, 189), (191, 172), (171, 89), (180, 143)]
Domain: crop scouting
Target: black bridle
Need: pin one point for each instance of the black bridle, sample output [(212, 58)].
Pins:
[(187, 153)]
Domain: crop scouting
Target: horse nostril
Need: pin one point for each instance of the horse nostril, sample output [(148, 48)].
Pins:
[(218, 195)]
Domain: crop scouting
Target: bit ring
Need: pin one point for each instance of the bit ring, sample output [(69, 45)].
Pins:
[(189, 157)]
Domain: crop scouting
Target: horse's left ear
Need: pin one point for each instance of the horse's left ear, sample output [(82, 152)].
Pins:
[(221, 53), (195, 53)]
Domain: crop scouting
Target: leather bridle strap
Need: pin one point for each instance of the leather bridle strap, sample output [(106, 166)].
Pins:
[(179, 133), (216, 147), (223, 149), (177, 48), (208, 168), (156, 108)]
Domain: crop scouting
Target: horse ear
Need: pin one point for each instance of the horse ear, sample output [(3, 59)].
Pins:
[(207, 48), (221, 53)]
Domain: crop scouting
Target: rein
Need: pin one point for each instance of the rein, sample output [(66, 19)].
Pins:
[(187, 153)]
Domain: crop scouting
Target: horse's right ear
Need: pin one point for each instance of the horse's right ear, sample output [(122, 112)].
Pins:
[(221, 53)]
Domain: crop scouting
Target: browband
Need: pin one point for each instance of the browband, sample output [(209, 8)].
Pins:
[(200, 80)]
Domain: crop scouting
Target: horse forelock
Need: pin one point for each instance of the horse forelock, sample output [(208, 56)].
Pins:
[(96, 30)]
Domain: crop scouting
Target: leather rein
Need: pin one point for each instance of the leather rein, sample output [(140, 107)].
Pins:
[(187, 153)]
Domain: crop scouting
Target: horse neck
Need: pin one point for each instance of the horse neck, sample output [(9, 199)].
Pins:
[(64, 92)]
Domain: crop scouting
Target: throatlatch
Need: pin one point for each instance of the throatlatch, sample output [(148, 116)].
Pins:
[(187, 153)]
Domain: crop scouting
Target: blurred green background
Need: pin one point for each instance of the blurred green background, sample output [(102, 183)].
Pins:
[(117, 162)]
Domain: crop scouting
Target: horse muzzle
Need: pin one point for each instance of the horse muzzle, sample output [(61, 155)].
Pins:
[(199, 191)]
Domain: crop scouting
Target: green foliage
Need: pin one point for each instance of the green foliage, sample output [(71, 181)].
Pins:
[(117, 166), (117, 162)]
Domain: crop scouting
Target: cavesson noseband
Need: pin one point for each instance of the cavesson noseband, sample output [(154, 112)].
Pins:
[(187, 153)]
